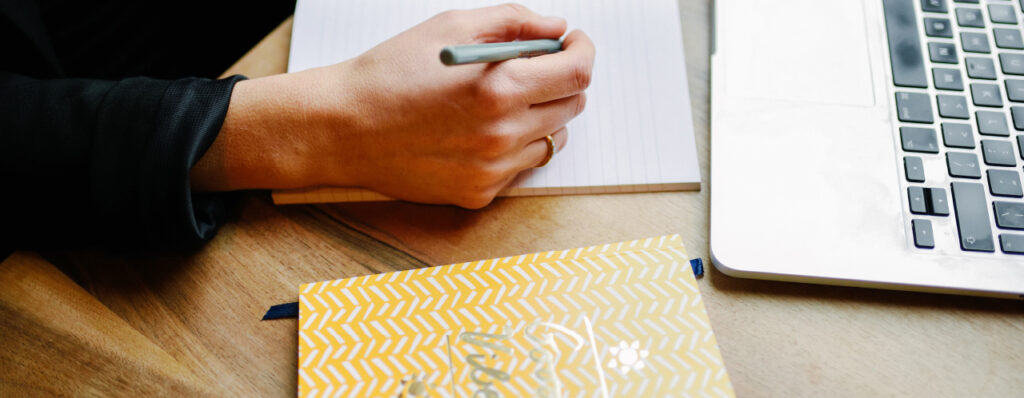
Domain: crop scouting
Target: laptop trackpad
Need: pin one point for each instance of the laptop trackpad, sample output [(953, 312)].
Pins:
[(800, 50)]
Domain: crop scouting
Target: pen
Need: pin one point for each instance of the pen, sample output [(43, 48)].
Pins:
[(492, 52)]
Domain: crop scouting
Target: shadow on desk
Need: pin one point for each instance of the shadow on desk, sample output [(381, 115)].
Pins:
[(794, 291)]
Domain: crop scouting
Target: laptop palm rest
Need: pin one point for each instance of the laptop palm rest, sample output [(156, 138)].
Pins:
[(819, 60)]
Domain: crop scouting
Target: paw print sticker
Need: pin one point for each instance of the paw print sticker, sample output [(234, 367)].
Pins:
[(627, 357)]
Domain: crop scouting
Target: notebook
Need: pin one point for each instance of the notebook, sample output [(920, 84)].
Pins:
[(636, 133), (616, 320)]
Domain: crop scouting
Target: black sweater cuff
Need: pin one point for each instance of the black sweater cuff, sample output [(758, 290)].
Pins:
[(150, 134)]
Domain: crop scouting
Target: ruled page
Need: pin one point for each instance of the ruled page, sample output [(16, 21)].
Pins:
[(636, 133)]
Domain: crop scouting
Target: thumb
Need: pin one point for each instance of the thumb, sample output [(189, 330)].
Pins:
[(512, 21)]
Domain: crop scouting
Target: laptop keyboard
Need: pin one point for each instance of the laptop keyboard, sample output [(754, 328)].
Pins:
[(958, 71)]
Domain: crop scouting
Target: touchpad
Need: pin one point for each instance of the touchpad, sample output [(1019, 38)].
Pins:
[(801, 50)]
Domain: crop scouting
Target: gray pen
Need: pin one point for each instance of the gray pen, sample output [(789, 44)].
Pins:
[(493, 52)]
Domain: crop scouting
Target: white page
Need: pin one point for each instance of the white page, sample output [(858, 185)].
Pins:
[(636, 132)]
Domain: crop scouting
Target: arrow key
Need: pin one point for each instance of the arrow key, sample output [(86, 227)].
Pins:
[(923, 234), (938, 204), (918, 204), (914, 168)]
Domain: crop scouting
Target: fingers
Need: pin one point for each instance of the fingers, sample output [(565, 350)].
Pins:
[(554, 76), (544, 118), (536, 152), (512, 21)]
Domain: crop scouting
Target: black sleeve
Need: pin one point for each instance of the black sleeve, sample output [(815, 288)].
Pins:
[(107, 162)]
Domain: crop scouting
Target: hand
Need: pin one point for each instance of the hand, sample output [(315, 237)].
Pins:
[(397, 121)]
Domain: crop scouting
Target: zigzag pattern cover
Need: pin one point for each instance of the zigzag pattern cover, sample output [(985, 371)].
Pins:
[(618, 320)]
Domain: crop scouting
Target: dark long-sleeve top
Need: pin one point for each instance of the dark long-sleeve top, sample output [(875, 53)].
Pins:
[(99, 127)]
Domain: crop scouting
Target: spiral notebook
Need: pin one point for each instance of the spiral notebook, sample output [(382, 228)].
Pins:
[(616, 320), (636, 133)]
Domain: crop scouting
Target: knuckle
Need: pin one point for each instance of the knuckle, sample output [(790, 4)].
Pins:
[(493, 96), (493, 145), (582, 74), (449, 17), (581, 103), (515, 9)]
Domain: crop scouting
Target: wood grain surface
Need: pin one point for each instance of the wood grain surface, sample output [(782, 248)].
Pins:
[(96, 323)]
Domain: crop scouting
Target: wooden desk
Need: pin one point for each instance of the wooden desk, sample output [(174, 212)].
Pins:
[(91, 322)]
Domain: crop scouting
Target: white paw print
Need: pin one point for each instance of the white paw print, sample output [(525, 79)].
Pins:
[(627, 357)]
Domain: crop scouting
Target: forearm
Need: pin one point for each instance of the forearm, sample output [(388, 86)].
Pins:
[(274, 134)]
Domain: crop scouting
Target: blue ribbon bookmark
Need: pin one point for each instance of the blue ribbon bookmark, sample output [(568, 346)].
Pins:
[(282, 311), (698, 267)]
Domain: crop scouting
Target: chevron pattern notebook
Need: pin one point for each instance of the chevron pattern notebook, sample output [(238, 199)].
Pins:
[(617, 320)]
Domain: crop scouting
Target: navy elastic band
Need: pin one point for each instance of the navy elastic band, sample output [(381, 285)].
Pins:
[(282, 311), (698, 266)]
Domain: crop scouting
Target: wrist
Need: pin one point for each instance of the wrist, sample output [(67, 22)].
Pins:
[(276, 135)]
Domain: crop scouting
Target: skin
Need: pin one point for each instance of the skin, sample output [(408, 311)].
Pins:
[(396, 121)]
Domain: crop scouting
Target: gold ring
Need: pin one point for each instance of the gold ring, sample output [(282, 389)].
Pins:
[(551, 151)]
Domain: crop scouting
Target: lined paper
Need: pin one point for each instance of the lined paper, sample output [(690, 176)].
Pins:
[(636, 133)]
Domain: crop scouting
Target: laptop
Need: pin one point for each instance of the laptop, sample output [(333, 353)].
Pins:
[(875, 143)]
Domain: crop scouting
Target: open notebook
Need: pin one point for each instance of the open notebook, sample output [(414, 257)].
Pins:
[(636, 133), (617, 320)]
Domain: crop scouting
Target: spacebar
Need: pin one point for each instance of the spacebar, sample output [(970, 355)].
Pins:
[(904, 44)]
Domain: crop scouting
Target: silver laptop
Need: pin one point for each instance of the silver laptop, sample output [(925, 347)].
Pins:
[(874, 143)]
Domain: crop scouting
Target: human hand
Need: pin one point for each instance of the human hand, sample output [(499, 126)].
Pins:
[(397, 121)]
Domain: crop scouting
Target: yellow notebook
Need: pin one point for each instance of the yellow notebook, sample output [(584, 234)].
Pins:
[(617, 320)]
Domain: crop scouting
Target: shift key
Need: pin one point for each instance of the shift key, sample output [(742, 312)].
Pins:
[(972, 218)]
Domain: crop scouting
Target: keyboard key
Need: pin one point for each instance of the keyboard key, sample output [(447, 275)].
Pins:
[(1017, 113), (952, 106), (998, 153), (936, 201), (916, 139), (1012, 64), (962, 164), (974, 42), (914, 168), (1012, 244), (986, 95), (992, 123), (923, 234), (980, 68), (967, 1), (969, 17), (905, 54), (1020, 142), (943, 53), (934, 6), (918, 204), (972, 217), (1008, 38), (914, 107), (1015, 90), (1009, 214), (957, 135), (1005, 183), (937, 27), (1002, 13), (949, 79)]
